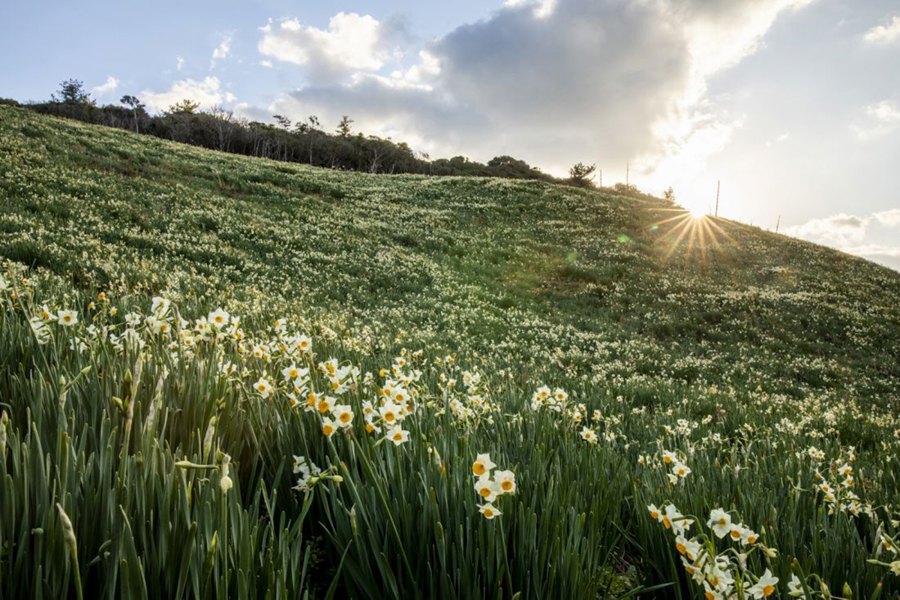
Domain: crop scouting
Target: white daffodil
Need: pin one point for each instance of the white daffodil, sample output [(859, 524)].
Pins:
[(765, 587), (506, 481), (263, 387), (482, 465), (397, 435), (720, 522), (67, 318)]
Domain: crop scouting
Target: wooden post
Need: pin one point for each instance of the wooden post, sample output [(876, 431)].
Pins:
[(778, 224), (718, 187)]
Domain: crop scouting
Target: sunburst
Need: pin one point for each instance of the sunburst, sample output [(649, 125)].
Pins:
[(692, 229)]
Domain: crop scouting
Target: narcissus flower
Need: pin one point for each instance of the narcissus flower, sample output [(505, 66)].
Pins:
[(482, 465), (397, 435), (676, 520), (219, 318), (328, 427), (344, 415), (390, 413), (487, 488), (263, 387), (67, 318), (720, 522), (489, 511), (765, 587), (506, 481), (160, 306), (588, 435)]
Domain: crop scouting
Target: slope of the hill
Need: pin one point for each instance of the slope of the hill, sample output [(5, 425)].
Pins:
[(610, 287), (162, 408)]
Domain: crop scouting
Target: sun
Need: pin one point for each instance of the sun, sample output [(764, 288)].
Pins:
[(697, 213), (693, 229)]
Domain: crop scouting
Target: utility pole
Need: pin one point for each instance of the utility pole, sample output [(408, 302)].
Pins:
[(718, 187), (778, 224), (601, 177), (627, 173)]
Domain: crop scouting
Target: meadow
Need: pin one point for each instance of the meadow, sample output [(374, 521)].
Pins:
[(231, 377)]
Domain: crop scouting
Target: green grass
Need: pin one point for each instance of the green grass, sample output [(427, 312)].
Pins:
[(763, 344)]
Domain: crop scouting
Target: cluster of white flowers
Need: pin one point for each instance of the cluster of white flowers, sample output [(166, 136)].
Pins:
[(489, 487)]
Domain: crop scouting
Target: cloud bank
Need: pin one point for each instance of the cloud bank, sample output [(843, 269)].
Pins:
[(208, 92), (551, 81)]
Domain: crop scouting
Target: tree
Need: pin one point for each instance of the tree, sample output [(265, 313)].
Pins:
[(669, 195), (312, 129), (582, 174), (136, 107), (185, 107), (71, 91), (283, 122), (343, 128)]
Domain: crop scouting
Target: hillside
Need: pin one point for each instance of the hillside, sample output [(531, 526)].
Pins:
[(765, 345)]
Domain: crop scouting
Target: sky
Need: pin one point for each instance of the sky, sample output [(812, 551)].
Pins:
[(793, 105)]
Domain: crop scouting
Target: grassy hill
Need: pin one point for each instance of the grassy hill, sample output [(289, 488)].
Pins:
[(734, 349)]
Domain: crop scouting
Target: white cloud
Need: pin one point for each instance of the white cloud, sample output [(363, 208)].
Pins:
[(179, 63), (880, 120), (778, 140), (889, 218), (110, 86), (207, 92), (841, 231), (351, 43), (853, 234), (552, 82), (884, 34), (875, 250), (222, 51)]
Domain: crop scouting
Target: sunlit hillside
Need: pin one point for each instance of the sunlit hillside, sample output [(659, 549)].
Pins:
[(153, 445)]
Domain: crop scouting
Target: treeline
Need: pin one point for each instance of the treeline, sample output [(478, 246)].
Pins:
[(302, 142)]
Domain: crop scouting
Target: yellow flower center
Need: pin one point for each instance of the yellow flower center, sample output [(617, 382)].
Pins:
[(478, 469), (506, 485), (768, 590), (666, 523), (488, 513), (680, 547), (389, 416), (327, 429), (485, 492), (345, 417)]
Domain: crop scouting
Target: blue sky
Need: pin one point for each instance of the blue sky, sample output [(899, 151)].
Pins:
[(793, 104)]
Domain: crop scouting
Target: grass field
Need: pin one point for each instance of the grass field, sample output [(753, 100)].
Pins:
[(230, 377)]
